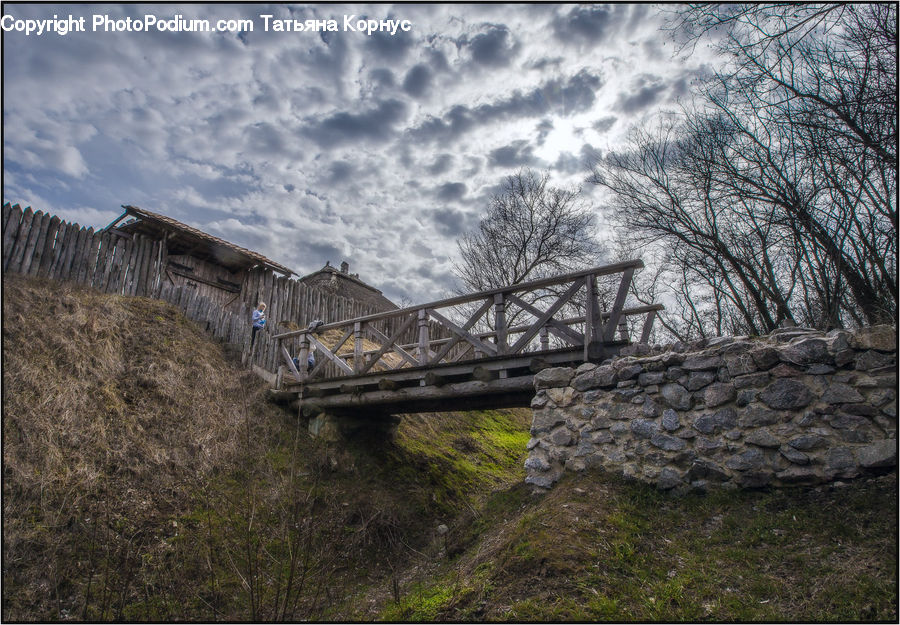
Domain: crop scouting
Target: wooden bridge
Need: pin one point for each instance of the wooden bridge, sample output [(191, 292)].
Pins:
[(462, 353)]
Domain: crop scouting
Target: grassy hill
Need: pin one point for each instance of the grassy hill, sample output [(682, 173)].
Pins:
[(146, 477)]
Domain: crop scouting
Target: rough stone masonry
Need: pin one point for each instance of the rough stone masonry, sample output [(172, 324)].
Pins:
[(798, 406)]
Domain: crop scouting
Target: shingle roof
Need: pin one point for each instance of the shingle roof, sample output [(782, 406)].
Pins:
[(223, 251)]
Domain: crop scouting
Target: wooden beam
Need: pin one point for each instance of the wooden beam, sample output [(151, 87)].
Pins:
[(485, 347), (535, 327), (557, 327), (610, 329)]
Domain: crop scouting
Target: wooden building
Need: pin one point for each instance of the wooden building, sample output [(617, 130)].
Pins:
[(214, 268), (342, 282)]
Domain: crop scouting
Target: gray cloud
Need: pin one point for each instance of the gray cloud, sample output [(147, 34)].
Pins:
[(440, 165), (450, 191), (647, 91), (516, 154), (588, 24), (562, 97), (494, 48), (374, 124), (450, 222), (417, 81), (383, 77), (604, 123)]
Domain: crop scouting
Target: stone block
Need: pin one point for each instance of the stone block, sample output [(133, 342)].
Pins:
[(545, 420), (554, 377), (718, 394), (649, 378), (784, 370), (628, 373), (882, 396), (603, 376), (879, 454), (706, 446), (601, 437), (839, 461), (762, 438), (676, 396), (668, 479), (751, 380), (804, 351), (819, 369), (562, 397), (561, 436), (765, 357), (532, 443), (755, 416), (838, 393), (793, 455), (786, 394), (650, 409), (536, 463), (702, 361), (807, 442), (703, 468), (698, 379), (746, 397), (739, 364), (880, 337), (668, 443), (844, 357), (798, 475), (670, 421), (644, 428), (754, 479), (539, 400), (674, 373), (873, 360), (750, 460)]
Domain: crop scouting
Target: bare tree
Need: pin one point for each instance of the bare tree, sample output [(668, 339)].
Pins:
[(774, 194), (532, 230)]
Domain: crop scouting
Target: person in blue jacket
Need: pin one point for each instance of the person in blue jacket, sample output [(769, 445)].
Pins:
[(259, 321)]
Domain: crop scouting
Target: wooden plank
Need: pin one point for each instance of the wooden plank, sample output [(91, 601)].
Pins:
[(59, 251), (21, 241), (325, 351), (500, 322), (76, 237), (544, 318), (33, 254), (479, 344), (648, 326), (7, 211), (610, 328), (50, 242), (98, 260), (558, 328), (465, 328), (10, 231), (394, 338)]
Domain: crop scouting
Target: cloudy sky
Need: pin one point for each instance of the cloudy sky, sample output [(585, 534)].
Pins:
[(327, 146)]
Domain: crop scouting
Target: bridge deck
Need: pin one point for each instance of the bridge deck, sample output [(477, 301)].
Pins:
[(467, 352)]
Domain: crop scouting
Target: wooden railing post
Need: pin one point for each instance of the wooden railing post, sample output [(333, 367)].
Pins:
[(500, 322), (609, 330), (302, 357), (545, 338), (423, 337), (357, 347)]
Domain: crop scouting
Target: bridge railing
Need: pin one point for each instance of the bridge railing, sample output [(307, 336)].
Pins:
[(509, 322)]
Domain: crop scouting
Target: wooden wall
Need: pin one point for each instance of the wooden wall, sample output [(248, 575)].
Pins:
[(42, 245)]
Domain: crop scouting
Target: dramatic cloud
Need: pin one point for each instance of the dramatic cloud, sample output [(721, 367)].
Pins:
[(326, 146)]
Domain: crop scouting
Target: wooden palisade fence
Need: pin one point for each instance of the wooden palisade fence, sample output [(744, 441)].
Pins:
[(42, 245)]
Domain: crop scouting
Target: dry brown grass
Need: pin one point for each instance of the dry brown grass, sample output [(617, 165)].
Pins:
[(114, 409)]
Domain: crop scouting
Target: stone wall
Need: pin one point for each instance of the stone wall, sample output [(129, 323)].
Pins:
[(797, 406)]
